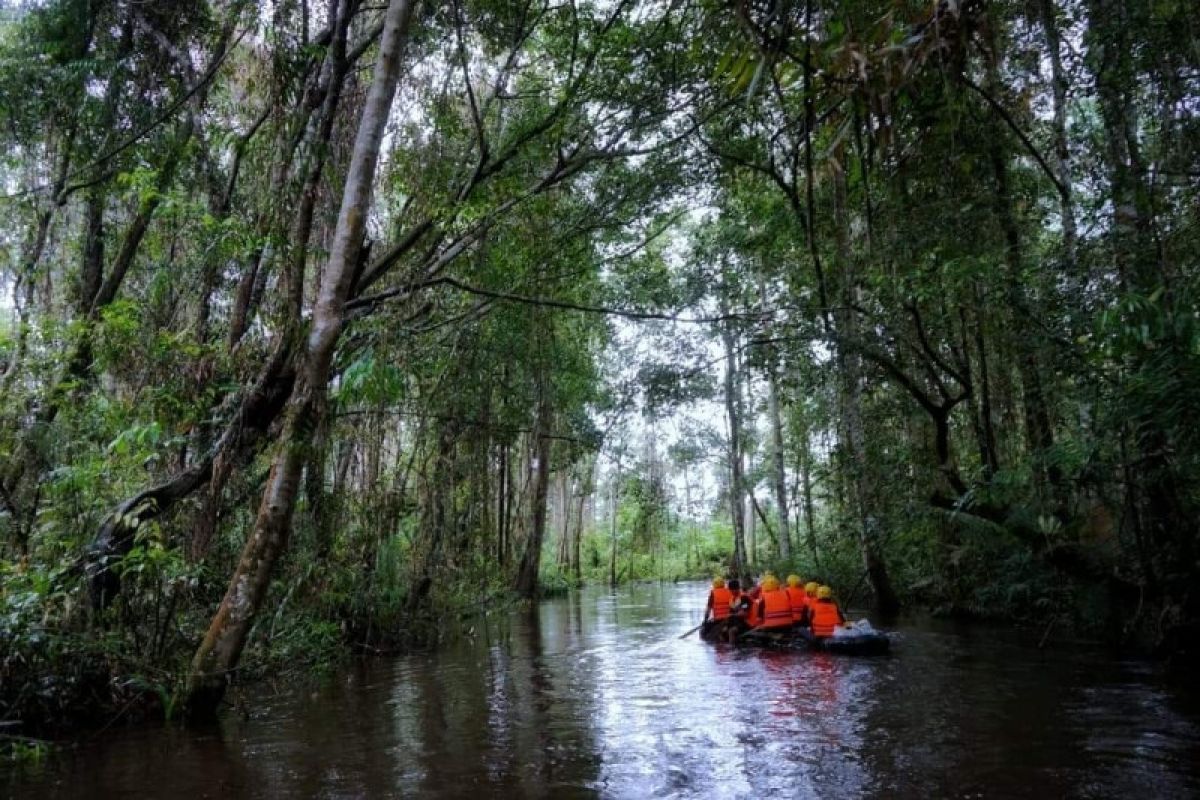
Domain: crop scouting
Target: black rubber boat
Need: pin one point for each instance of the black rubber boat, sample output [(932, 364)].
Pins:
[(859, 644), (864, 643)]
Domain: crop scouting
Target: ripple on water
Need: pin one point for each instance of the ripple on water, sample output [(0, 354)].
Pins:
[(594, 695)]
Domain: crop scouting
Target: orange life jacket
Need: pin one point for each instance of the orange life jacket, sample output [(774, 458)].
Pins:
[(735, 602), (777, 609), (719, 600), (798, 600), (754, 615), (825, 616)]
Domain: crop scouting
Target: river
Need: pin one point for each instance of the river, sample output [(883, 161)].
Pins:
[(593, 695)]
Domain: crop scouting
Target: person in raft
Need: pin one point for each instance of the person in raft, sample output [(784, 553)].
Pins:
[(739, 611), (754, 615), (719, 598), (757, 590), (774, 607), (739, 602), (810, 592), (825, 615), (798, 599), (754, 610)]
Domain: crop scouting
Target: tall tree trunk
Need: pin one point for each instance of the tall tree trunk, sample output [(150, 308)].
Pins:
[(749, 433), (779, 471), (614, 507), (564, 514), (868, 522), (502, 507), (91, 272), (527, 573), (751, 520), (1048, 11), (1038, 429), (1110, 55), (243, 299), (850, 381), (746, 433), (738, 567), (91, 268), (806, 490), (577, 543), (221, 648), (989, 451), (690, 543)]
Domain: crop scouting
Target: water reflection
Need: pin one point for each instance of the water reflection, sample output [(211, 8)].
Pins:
[(593, 695)]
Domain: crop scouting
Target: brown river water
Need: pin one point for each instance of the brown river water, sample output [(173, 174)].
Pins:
[(593, 695)]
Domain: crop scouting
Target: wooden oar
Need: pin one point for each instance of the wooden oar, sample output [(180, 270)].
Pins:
[(693, 630)]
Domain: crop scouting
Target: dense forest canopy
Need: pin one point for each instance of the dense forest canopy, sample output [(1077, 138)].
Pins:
[(324, 324)]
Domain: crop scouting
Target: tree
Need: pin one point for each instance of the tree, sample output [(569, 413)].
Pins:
[(221, 648)]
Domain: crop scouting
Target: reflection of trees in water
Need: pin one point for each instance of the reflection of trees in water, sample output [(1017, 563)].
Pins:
[(671, 710), (166, 761), (555, 740), (306, 742), (534, 708), (960, 710), (807, 725), (320, 757), (502, 714)]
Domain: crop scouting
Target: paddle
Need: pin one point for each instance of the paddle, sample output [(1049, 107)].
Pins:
[(693, 630), (750, 630)]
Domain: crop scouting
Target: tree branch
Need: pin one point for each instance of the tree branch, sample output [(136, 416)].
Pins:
[(1063, 192)]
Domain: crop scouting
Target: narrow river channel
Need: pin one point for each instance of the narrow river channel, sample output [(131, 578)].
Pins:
[(593, 695)]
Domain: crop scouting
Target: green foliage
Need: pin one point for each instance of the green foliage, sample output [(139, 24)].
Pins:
[(999, 409), (368, 381), (24, 752), (46, 673)]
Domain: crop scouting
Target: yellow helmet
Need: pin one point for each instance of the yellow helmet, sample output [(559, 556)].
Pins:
[(794, 581), (824, 593), (811, 587), (770, 583), (718, 582)]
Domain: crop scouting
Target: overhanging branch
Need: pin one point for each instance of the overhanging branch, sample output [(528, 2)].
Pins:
[(1002, 112)]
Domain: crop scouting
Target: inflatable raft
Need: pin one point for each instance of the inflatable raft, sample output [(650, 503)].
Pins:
[(855, 639), (873, 643)]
